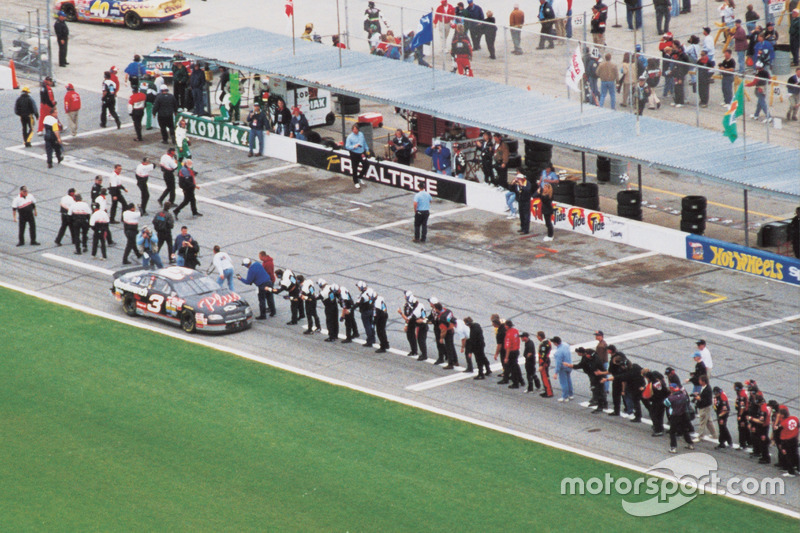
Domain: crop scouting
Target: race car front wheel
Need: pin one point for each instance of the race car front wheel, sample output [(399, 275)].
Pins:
[(187, 322), (69, 11), (129, 305), (133, 20)]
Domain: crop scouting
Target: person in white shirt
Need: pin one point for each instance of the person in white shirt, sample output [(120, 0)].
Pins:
[(99, 224), (168, 164), (130, 224), (115, 187), (25, 205), (66, 221), (708, 43), (705, 356), (143, 171), (462, 333), (222, 262), (79, 212)]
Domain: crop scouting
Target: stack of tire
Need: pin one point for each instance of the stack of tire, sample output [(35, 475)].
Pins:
[(629, 204), (693, 214), (564, 192), (537, 156), (347, 105), (774, 234), (603, 169), (514, 158), (587, 196)]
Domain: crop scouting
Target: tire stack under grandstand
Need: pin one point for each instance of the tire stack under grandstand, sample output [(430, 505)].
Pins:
[(629, 204), (693, 214)]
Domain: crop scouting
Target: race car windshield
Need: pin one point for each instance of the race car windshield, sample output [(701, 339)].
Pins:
[(189, 287)]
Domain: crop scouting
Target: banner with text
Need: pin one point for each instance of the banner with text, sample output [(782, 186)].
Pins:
[(749, 260), (383, 172)]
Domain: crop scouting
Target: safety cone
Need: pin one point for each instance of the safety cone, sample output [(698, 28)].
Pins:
[(14, 82)]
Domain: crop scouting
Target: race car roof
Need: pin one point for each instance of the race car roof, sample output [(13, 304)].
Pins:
[(485, 104)]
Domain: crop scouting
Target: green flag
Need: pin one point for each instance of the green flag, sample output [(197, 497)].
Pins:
[(236, 95), (735, 110)]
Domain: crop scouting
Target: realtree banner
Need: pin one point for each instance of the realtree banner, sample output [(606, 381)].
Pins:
[(399, 176)]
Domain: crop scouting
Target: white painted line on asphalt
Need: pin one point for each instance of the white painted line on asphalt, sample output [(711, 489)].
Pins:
[(67, 136), (424, 256), (592, 267), (359, 203), (78, 264), (386, 396), (765, 324), (251, 174), (437, 382), (407, 221), (617, 339)]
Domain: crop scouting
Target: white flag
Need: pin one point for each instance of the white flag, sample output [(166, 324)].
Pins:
[(575, 71)]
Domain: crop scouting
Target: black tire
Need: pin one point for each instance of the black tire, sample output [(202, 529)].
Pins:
[(70, 12), (513, 145), (314, 137), (698, 228), (350, 109), (330, 118), (634, 212), (537, 146), (514, 161), (133, 21), (586, 190), (188, 323), (329, 142), (564, 188), (692, 216), (129, 305), (539, 157), (588, 203), (693, 203), (629, 198), (348, 100), (562, 199), (603, 163)]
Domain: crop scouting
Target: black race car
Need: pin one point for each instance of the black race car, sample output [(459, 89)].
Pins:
[(181, 296)]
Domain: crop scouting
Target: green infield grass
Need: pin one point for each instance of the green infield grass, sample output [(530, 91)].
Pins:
[(107, 427)]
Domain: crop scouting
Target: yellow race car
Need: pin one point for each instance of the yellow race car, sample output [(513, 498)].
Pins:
[(132, 13)]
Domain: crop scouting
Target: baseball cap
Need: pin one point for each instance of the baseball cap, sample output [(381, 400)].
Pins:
[(525, 334), (256, 104), (26, 89), (433, 300), (701, 341), (62, 14), (738, 21), (70, 87), (321, 282), (581, 349), (361, 285), (695, 355), (598, 332), (164, 88), (246, 261), (674, 386)]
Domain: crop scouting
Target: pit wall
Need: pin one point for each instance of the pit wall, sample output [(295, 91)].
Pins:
[(613, 228)]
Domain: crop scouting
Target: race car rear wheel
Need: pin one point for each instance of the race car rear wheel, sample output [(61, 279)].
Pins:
[(69, 11), (129, 305), (187, 322), (133, 20)]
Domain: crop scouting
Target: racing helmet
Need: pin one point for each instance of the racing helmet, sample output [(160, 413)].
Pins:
[(321, 282)]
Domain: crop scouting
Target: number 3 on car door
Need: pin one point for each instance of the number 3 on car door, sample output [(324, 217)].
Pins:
[(156, 300)]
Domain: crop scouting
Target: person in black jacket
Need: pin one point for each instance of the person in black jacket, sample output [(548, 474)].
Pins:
[(500, 350), (25, 109), (524, 191), (633, 384), (679, 424), (723, 409), (546, 16), (490, 32), (62, 36), (699, 371), (655, 405), (616, 366), (165, 107), (794, 230), (591, 365), (704, 403), (197, 82), (475, 346), (529, 355)]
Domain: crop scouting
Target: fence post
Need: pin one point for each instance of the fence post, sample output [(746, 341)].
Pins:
[(585, 36), (505, 46)]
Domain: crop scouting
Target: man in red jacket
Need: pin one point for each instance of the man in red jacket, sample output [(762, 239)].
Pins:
[(788, 441), (47, 101), (512, 356), (72, 104)]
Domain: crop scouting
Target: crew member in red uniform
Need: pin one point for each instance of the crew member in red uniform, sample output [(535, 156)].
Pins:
[(461, 50), (544, 364), (72, 104), (136, 105), (47, 101), (759, 426), (723, 409), (788, 443), (741, 415), (511, 344)]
